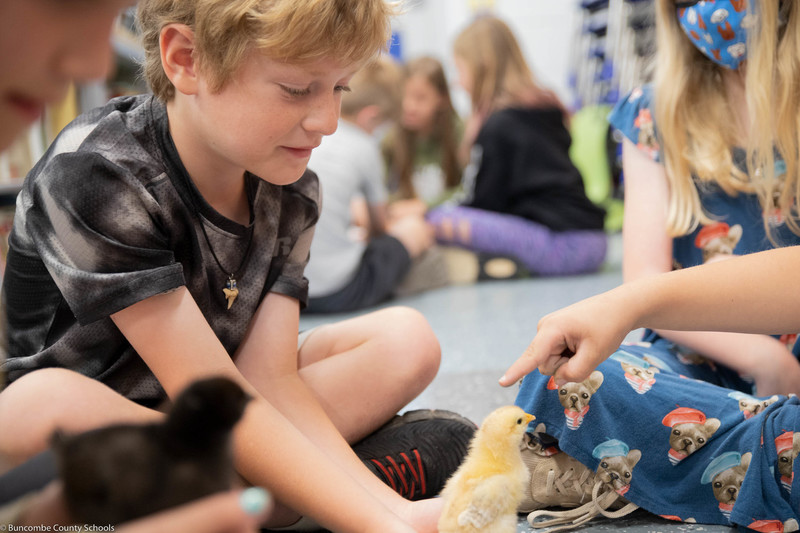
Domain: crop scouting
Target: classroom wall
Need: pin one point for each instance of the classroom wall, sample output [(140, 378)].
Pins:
[(545, 29)]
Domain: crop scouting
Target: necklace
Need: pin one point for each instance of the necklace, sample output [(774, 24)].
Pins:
[(231, 289)]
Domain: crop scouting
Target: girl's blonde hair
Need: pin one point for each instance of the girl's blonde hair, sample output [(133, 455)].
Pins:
[(444, 131), (500, 75), (697, 126), (350, 31)]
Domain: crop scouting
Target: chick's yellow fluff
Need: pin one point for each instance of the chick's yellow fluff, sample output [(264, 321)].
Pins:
[(483, 494)]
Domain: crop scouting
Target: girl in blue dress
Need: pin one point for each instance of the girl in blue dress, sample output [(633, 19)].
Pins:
[(694, 426)]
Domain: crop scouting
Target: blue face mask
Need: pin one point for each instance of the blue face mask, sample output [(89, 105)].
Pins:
[(717, 28)]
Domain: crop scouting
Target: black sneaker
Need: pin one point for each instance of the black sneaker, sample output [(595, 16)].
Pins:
[(417, 452)]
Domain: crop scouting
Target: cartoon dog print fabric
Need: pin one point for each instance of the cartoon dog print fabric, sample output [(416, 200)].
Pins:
[(644, 418), (725, 474), (691, 430), (574, 397), (749, 405), (616, 464), (639, 374), (718, 240), (787, 446)]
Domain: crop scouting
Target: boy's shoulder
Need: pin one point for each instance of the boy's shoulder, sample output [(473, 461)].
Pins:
[(123, 134), (102, 128)]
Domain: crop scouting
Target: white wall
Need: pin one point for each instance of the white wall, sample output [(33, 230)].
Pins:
[(545, 29)]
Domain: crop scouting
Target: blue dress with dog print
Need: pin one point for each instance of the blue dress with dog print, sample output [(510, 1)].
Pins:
[(681, 436)]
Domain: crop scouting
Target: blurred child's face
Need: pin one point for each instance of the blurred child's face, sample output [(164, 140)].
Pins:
[(421, 102), (44, 45), (269, 117)]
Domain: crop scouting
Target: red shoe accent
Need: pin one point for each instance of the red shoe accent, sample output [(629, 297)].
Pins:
[(386, 473), (394, 471)]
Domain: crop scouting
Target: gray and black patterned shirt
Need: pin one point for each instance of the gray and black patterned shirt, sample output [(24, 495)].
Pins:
[(107, 218)]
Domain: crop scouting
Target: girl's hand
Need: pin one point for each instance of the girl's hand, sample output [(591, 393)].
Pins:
[(571, 342)]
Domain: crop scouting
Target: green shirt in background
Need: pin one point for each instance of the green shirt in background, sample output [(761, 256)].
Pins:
[(428, 178)]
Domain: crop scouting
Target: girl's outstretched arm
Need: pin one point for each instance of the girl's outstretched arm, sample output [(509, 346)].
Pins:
[(756, 293), (648, 251)]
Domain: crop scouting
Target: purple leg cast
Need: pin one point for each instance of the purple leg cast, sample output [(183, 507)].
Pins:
[(541, 250)]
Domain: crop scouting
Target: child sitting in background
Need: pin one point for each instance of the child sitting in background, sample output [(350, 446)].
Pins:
[(162, 239), (524, 198), (421, 150), (348, 270)]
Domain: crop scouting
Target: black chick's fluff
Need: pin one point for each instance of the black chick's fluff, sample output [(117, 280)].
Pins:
[(122, 472)]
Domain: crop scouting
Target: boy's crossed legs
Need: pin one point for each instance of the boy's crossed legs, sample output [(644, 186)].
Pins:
[(362, 372)]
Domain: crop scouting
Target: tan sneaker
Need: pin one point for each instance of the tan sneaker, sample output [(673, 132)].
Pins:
[(558, 480)]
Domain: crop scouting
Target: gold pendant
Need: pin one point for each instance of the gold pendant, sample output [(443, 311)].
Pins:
[(230, 290)]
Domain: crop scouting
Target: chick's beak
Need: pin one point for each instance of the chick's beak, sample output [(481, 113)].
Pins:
[(528, 418)]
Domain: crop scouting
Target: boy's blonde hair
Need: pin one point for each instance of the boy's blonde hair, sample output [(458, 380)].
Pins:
[(697, 127), (500, 75), (350, 31), (376, 83)]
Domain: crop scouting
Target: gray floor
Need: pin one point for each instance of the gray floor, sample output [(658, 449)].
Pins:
[(483, 328)]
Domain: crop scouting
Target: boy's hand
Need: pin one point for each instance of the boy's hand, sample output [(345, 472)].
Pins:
[(571, 342)]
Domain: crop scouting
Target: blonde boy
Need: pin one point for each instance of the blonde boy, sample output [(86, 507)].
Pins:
[(163, 239)]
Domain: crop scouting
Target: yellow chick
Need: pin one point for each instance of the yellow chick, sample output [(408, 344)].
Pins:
[(483, 494)]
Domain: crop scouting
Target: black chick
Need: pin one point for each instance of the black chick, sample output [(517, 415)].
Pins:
[(118, 473)]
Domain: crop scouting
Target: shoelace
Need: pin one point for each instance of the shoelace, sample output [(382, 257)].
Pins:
[(562, 484), (599, 504), (404, 474)]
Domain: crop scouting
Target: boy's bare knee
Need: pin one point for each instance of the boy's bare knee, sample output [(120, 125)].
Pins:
[(38, 403), (36, 388), (35, 394), (415, 340)]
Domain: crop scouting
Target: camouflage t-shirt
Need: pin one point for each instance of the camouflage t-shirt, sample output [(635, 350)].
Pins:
[(109, 217)]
